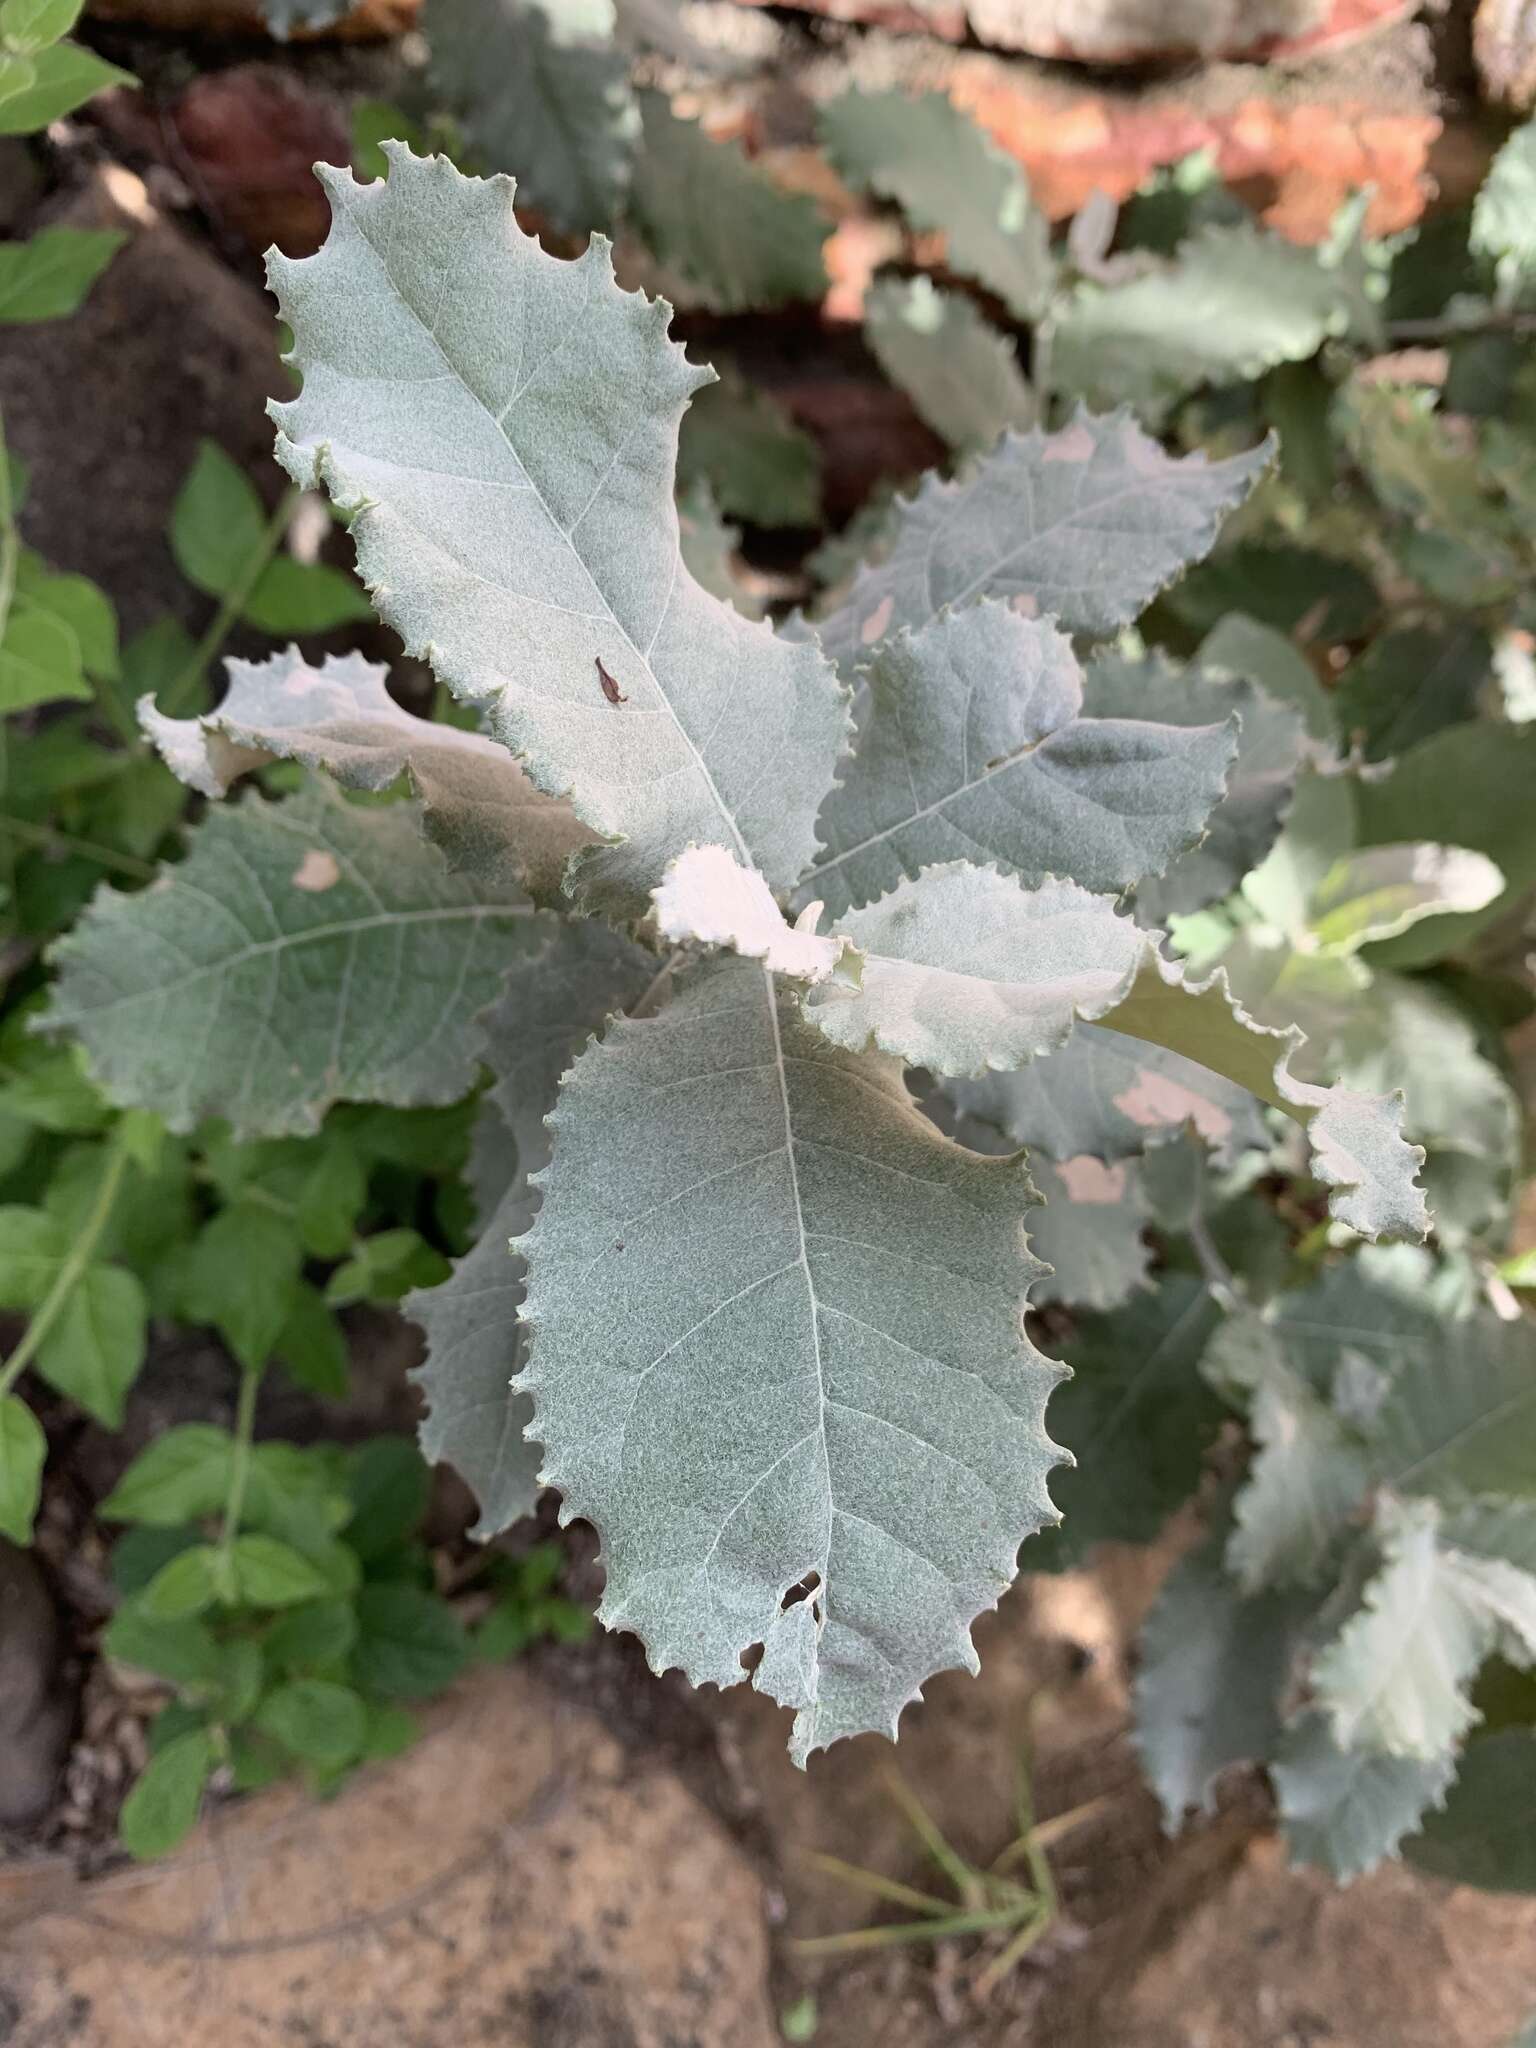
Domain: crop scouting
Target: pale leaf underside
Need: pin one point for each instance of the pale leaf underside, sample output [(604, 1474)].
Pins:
[(502, 427), (965, 969), (1346, 1809), (785, 1341), (477, 804), (708, 897), (1396, 1678)]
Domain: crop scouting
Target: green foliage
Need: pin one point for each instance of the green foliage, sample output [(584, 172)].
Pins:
[(729, 1271), (294, 1611), (43, 76)]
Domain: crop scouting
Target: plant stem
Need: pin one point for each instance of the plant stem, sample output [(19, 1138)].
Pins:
[(49, 835), (240, 1463), (10, 556), (1218, 1275), (1498, 321), (175, 698), (65, 1280)]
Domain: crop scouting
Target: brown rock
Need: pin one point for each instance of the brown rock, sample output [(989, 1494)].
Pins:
[(1273, 1958), (34, 1713), (107, 411), (369, 21), (246, 141), (515, 1878)]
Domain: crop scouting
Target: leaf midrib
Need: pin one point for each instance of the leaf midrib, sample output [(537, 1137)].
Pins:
[(498, 421)]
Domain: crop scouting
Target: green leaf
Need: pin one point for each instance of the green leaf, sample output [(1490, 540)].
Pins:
[(48, 276), (33, 1245), (1109, 1097), (1246, 647), (961, 375), (241, 1277), (63, 77), (1459, 1415), (972, 745), (313, 1636), (1234, 302), (304, 597), (185, 1652), (947, 174), (187, 1586), (1383, 890), (391, 1731), (181, 1476), (1412, 683), (1284, 587), (738, 240), (312, 1345), (318, 1722), (267, 1573), (162, 1808), (83, 608), (1358, 1150), (330, 1199), (1241, 829), (96, 1346), (217, 522), (477, 805), (726, 1303), (23, 1450), (1308, 1473), (522, 526), (1483, 1836), (1089, 1231), (539, 89), (1085, 525), (409, 1645), (964, 969), (139, 1553), (1425, 797), (384, 1267), (1136, 1417), (474, 1338), (758, 464), (39, 660), (708, 545), (1212, 1671), (1396, 1677), (1504, 211), (1346, 1809), (27, 26), (337, 920), (387, 1483)]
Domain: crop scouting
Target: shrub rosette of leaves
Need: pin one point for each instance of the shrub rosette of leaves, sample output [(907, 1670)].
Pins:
[(699, 895)]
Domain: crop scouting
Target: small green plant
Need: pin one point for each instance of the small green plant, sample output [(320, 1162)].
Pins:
[(1013, 1914), (285, 1594)]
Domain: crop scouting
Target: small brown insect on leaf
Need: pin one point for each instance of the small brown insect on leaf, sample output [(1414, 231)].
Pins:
[(611, 689)]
